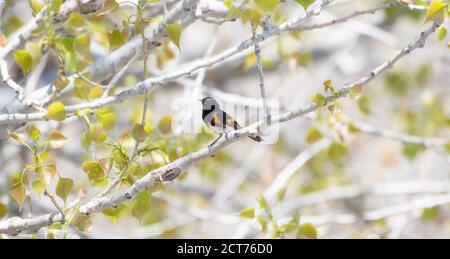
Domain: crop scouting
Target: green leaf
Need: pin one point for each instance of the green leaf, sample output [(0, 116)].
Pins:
[(263, 222), (263, 204), (305, 3), (313, 135), (74, 22), (364, 105), (141, 206), (57, 139), (174, 33), (337, 151), (64, 187), (289, 227), (86, 140), (34, 132), (442, 33), (228, 3), (107, 117), (429, 214), (319, 99), (82, 45), (115, 38), (55, 5), (412, 150), (114, 214), (36, 5), (38, 186), (281, 194), (307, 231), (24, 59), (94, 170), (248, 213), (3, 210), (56, 111), (268, 5)]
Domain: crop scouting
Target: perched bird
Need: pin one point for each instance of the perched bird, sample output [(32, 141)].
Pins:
[(218, 120)]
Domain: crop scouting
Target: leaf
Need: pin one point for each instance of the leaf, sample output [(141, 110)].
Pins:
[(262, 221), (248, 213), (96, 92), (56, 111), (281, 194), (115, 39), (97, 133), (305, 3), (307, 230), (165, 124), (412, 150), (75, 22), (36, 5), (313, 135), (289, 227), (46, 173), (429, 214), (139, 134), (24, 59), (435, 12), (64, 187), (442, 33), (174, 33), (107, 117), (86, 140), (263, 204), (17, 192), (114, 214), (19, 137), (141, 206), (94, 170), (34, 132), (57, 139), (268, 5), (3, 210), (364, 105), (337, 151), (82, 45), (319, 99), (82, 89), (38, 186), (55, 5)]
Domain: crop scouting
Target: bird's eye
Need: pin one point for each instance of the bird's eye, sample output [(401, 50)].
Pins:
[(213, 107)]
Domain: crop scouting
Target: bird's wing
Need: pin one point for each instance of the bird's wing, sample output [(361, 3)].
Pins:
[(231, 122)]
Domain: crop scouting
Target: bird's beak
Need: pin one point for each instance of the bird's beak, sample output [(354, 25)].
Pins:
[(199, 100)]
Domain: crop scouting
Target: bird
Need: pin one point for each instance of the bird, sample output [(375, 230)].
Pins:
[(219, 121)]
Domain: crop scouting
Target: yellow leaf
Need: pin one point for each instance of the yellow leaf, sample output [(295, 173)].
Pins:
[(174, 33), (57, 139), (56, 111), (435, 12)]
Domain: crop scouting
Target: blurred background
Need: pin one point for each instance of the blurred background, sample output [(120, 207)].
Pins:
[(350, 172)]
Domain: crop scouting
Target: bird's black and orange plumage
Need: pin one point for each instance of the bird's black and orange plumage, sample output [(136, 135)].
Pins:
[(219, 120)]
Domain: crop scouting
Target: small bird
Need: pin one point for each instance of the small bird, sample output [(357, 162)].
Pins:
[(218, 120)]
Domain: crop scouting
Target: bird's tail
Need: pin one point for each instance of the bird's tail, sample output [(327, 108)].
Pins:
[(255, 137)]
